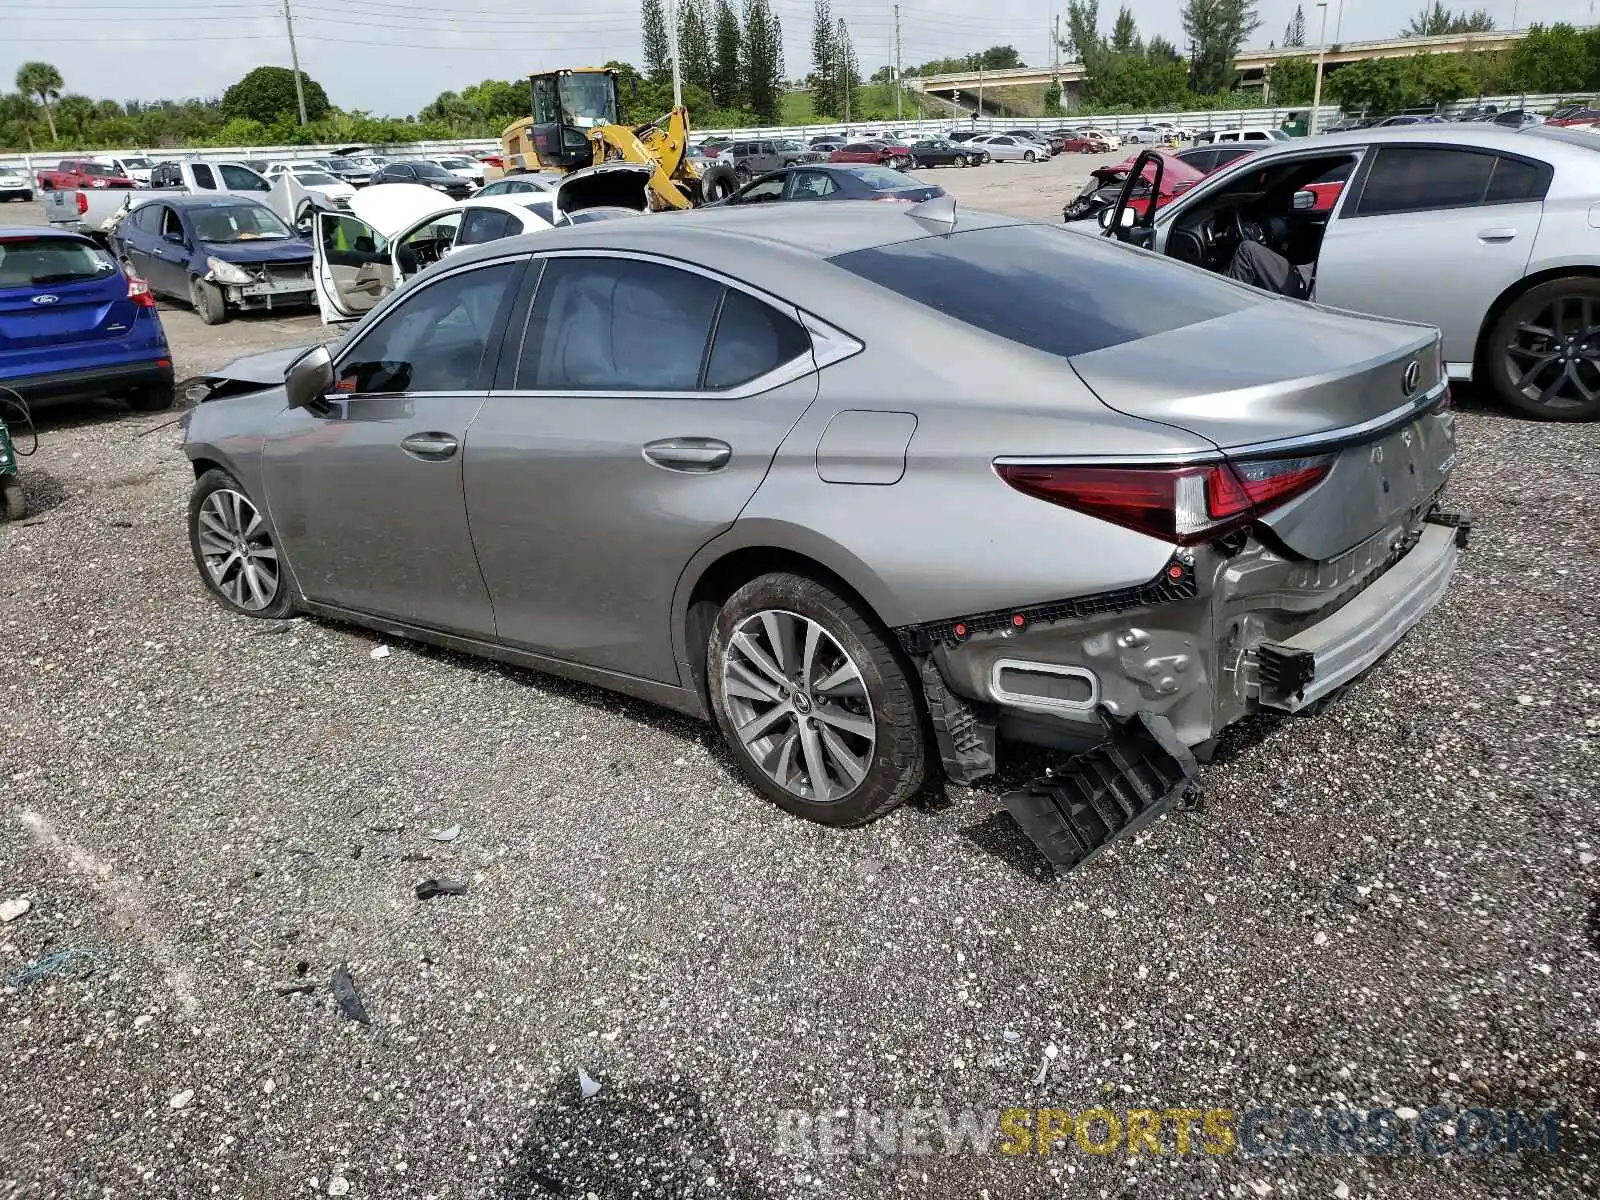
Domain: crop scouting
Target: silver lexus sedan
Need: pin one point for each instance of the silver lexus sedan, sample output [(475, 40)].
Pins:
[(869, 486)]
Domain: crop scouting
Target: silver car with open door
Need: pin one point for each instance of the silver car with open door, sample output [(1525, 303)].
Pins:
[(1487, 233)]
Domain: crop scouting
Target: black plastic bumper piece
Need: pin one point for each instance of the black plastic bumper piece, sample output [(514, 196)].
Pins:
[(1105, 793), (1461, 523), (965, 735), (1283, 671)]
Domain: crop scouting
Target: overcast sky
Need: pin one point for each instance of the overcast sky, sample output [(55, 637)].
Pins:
[(391, 57)]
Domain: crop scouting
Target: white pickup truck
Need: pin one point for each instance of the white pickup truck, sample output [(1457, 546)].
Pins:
[(95, 210)]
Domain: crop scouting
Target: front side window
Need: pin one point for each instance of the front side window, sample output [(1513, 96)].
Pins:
[(241, 179), (812, 185), (481, 225), (435, 340), (203, 177), (765, 189)]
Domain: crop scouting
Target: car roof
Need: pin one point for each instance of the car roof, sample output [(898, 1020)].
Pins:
[(22, 231), (1552, 145), (190, 200)]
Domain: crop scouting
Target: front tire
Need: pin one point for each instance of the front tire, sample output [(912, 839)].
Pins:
[(235, 551), (1028, 156), (1544, 351), (962, 161), (208, 301), (817, 706)]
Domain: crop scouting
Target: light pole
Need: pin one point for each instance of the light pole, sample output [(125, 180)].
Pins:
[(1322, 51), (1338, 23)]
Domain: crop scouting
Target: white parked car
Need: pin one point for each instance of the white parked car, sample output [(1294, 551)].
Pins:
[(130, 166), (315, 179), (15, 185), (1147, 135), (392, 231), (1259, 134), (461, 167), (1003, 147)]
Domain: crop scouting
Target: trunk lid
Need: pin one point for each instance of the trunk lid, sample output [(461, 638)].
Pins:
[(1285, 379), (64, 311)]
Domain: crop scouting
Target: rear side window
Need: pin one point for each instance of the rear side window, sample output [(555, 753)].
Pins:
[(751, 339), (619, 325), (1418, 178), (1060, 292), (27, 262), (481, 225)]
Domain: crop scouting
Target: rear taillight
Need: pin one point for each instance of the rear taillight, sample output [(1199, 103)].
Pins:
[(83, 202), (139, 292), (1186, 505)]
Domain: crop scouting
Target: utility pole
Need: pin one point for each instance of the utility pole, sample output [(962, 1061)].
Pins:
[(897, 88), (294, 57), (1338, 24), (672, 50), (1322, 53), (980, 89), (1055, 63)]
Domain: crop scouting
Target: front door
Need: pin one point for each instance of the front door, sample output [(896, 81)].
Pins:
[(365, 492), (614, 447), (353, 266), (1435, 234)]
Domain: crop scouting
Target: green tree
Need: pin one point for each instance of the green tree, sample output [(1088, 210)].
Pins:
[(1000, 58), (1294, 33), (77, 115), (762, 62), (1557, 59), (19, 116), (1216, 29), (1160, 51), (697, 58), (44, 81), (1125, 37), (847, 71), (826, 98), (1440, 21), (1293, 80), (268, 94), (728, 88), (1083, 30), (654, 43), (1052, 101)]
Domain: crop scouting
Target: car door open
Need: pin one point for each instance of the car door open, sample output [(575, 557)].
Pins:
[(353, 267)]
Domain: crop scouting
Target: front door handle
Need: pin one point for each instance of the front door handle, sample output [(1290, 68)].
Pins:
[(430, 446), (1504, 234), (699, 455)]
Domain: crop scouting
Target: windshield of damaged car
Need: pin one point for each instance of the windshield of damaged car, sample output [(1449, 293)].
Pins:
[(229, 223), (1052, 289)]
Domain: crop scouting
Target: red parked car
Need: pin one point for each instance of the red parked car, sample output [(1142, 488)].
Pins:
[(1574, 114), (883, 154), (1105, 182), (73, 173), (1083, 143)]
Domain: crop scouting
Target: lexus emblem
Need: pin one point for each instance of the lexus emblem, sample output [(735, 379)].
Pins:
[(1408, 381), (46, 299)]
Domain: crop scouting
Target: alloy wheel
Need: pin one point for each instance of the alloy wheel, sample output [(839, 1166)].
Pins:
[(799, 705), (238, 553), (1552, 355)]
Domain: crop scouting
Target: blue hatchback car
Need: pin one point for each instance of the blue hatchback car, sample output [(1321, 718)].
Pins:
[(73, 325)]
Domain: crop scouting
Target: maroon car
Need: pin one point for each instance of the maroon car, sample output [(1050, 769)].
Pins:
[(879, 153)]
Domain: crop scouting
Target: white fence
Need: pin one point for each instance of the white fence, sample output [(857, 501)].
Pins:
[(1196, 122)]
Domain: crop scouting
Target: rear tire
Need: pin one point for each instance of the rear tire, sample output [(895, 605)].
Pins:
[(208, 301), (152, 399), (1546, 374), (853, 720)]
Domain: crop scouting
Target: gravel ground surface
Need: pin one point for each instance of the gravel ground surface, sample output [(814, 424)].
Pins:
[(1393, 904)]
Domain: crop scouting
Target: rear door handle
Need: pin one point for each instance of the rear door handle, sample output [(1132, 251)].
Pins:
[(698, 455), (1504, 234), (430, 446)]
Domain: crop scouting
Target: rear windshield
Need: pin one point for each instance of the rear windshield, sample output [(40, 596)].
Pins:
[(431, 171), (883, 179), (27, 261), (316, 177), (1052, 289)]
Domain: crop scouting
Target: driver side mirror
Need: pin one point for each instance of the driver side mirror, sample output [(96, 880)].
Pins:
[(177, 239), (1128, 217), (1303, 201), (309, 378)]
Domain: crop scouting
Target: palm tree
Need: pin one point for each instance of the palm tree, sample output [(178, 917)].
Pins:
[(44, 81), (18, 112)]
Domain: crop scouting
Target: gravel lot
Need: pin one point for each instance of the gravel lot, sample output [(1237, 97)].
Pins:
[(1396, 903)]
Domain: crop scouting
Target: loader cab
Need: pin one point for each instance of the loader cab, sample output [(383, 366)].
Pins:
[(566, 107)]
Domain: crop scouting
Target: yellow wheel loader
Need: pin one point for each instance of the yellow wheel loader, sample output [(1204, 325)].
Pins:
[(574, 125)]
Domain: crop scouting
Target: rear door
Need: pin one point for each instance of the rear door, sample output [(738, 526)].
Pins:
[(615, 446), (1432, 233), (352, 266), (59, 297), (136, 236)]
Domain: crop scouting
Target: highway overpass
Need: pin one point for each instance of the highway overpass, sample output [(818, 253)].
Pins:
[(1253, 65)]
